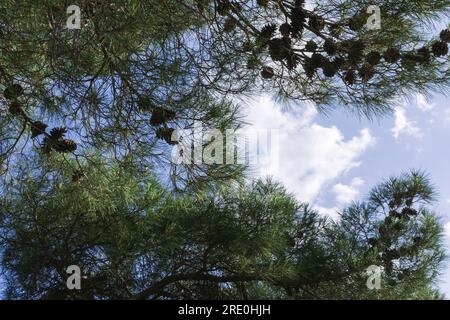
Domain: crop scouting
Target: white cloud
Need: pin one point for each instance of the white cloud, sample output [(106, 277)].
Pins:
[(345, 194), (422, 103), (310, 156), (447, 229), (404, 126), (332, 213)]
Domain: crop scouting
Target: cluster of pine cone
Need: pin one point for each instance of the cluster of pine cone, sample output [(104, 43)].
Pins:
[(165, 134), (400, 211), (349, 58), (57, 142), (53, 141), (12, 93), (160, 118)]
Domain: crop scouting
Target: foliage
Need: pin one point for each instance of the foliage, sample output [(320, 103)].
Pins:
[(194, 59), (86, 123), (133, 239)]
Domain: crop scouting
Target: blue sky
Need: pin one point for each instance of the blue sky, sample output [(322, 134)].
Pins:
[(332, 160)]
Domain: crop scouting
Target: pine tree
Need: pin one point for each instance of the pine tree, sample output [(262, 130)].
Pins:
[(86, 121), (134, 239), (133, 58)]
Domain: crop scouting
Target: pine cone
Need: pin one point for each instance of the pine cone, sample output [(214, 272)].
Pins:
[(69, 145), (169, 115), (262, 3), (297, 15), (46, 145), (267, 73), (287, 42), (316, 60), (160, 133), (278, 49), (285, 29), (15, 108), (336, 30), (392, 55), (58, 133), (63, 146), (357, 46), (373, 58), (366, 72), (355, 58), (440, 49), (267, 32), (424, 54), (339, 61), (37, 129), (18, 90), (350, 77), (160, 116), (356, 52), (409, 212), (357, 22), (296, 30), (298, 18), (311, 46), (445, 35), (235, 7), (409, 61), (316, 23), (166, 134), (229, 25), (144, 104), (223, 6), (329, 69), (292, 60), (58, 146), (12, 92), (310, 70), (396, 214), (330, 47)]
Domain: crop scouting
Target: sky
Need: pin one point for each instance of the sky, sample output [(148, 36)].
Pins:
[(331, 160)]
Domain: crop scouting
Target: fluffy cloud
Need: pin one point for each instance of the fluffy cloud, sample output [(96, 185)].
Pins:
[(310, 156), (422, 103), (332, 213), (447, 230), (404, 126), (345, 194)]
